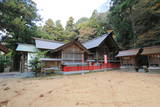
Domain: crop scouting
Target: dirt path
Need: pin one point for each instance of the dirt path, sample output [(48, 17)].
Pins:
[(100, 89)]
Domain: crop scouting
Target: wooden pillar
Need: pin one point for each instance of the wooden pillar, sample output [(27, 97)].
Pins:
[(121, 61), (20, 68), (158, 58), (62, 56), (22, 62), (148, 60), (96, 54)]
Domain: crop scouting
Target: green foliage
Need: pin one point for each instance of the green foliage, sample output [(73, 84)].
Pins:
[(96, 25), (59, 31), (82, 20), (5, 60), (84, 28), (51, 30), (135, 22), (70, 29), (70, 24), (36, 65), (42, 34), (18, 19), (49, 27)]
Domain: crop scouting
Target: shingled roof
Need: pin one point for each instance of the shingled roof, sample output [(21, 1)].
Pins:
[(96, 41), (146, 51), (26, 48), (52, 45), (151, 50), (131, 52), (47, 44)]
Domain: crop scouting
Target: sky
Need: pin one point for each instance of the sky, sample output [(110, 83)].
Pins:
[(63, 9)]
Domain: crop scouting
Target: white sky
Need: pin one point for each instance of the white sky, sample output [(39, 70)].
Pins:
[(63, 9)]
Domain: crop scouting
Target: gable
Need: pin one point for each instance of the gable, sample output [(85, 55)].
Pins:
[(73, 48), (70, 45), (110, 44), (96, 42)]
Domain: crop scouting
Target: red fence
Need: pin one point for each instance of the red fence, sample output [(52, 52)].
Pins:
[(94, 67)]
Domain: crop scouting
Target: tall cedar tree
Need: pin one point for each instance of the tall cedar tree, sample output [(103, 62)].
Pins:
[(17, 20)]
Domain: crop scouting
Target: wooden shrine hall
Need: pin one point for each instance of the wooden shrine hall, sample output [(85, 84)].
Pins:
[(74, 54), (127, 57)]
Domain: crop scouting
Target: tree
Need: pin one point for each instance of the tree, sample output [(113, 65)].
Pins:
[(94, 26), (70, 30), (82, 20), (147, 20), (42, 34), (121, 23), (70, 24), (17, 20), (36, 64), (135, 22), (51, 30), (59, 26), (49, 27), (100, 22), (86, 32), (59, 31)]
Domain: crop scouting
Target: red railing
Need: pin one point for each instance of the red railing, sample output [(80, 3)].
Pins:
[(94, 67)]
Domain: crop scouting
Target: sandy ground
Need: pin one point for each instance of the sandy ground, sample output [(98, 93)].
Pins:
[(100, 89)]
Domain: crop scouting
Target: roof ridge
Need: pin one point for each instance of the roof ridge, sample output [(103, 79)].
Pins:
[(143, 48), (152, 46), (130, 49), (48, 40)]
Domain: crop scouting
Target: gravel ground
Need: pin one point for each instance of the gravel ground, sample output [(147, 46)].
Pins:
[(100, 89)]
